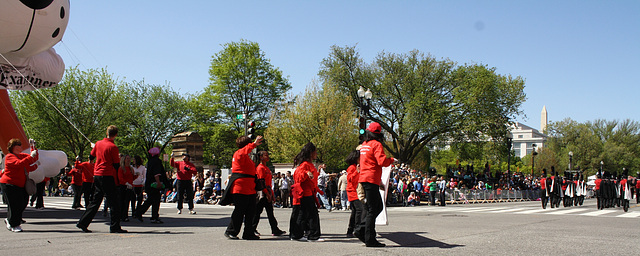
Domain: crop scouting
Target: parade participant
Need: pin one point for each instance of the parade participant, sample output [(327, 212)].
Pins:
[(125, 186), (303, 176), (357, 208), (38, 197), (87, 178), (625, 194), (372, 159), (266, 198), (154, 183), (105, 172), (140, 172), (185, 170), (544, 193), (241, 190), (17, 165), (555, 189), (598, 182), (76, 185)]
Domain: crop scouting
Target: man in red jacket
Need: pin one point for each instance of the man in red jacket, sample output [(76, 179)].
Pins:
[(265, 202), (87, 179), (186, 170), (76, 185), (107, 163)]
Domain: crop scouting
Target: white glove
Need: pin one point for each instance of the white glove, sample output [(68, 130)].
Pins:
[(34, 153), (93, 145), (38, 162)]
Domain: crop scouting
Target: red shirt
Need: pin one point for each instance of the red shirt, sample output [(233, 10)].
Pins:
[(296, 193), (87, 171), (125, 176), (300, 176), (76, 177), (14, 168), (107, 154), (543, 183), (242, 163), (352, 182), (372, 159), (623, 183), (638, 183), (598, 183), (184, 174), (264, 172)]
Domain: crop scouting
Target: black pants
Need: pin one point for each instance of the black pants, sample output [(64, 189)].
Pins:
[(16, 199), (126, 198), (77, 195), (264, 204), (185, 187), (244, 209), (295, 231), (138, 198), (105, 186), (357, 215), (432, 197), (309, 218), (87, 192), (544, 198), (153, 201), (442, 198), (373, 207), (284, 198), (38, 197)]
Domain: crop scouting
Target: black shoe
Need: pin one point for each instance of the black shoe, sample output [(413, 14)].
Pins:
[(279, 233), (350, 235), (256, 233), (125, 220), (376, 244), (23, 221), (359, 235), (230, 236), (254, 237), (84, 229), (119, 231), (139, 218), (156, 221)]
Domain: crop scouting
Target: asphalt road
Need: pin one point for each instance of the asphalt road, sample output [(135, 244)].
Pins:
[(515, 228)]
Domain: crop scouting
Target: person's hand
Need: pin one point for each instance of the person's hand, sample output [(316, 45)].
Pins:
[(78, 158), (172, 154), (93, 145), (34, 153), (258, 140), (310, 174), (382, 186)]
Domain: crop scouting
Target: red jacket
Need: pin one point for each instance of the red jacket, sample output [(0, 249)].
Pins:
[(296, 194), (597, 182), (125, 177), (242, 163), (76, 177), (263, 172), (14, 168), (183, 173), (107, 154), (301, 177), (372, 159), (87, 171), (352, 182), (543, 183)]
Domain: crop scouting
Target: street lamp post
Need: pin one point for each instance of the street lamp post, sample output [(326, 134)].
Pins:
[(533, 158), (602, 168), (509, 145), (364, 107), (570, 159)]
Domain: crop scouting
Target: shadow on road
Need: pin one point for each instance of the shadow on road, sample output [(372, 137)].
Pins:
[(412, 239)]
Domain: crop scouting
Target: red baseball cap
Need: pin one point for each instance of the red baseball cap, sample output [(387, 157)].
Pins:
[(374, 127)]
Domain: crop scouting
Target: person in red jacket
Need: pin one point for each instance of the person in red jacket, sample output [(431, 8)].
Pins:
[(305, 176), (14, 177), (186, 170), (125, 184), (241, 189), (372, 159), (599, 199), (357, 208), (76, 185), (265, 201), (87, 179), (105, 174), (544, 194)]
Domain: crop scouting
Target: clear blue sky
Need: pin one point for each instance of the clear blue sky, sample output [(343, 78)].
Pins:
[(579, 58)]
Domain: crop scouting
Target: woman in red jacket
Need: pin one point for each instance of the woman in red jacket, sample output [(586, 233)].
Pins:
[(372, 159), (242, 186), (304, 176), (14, 177), (125, 182)]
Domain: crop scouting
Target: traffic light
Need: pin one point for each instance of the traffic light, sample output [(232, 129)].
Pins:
[(251, 129), (362, 125)]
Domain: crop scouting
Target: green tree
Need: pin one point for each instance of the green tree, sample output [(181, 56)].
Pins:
[(86, 98), (320, 115), (243, 81), (420, 100), (150, 116)]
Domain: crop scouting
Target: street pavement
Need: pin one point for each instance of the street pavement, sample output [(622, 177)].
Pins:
[(512, 228)]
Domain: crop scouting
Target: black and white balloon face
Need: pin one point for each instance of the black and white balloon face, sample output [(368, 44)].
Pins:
[(28, 27)]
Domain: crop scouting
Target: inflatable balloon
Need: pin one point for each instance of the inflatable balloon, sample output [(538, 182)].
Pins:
[(28, 30)]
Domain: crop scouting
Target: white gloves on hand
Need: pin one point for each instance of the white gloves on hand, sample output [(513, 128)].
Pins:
[(34, 153), (93, 145)]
